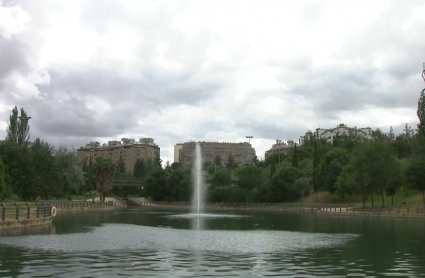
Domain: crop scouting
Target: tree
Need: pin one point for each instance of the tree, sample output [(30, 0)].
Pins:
[(416, 174), (139, 169), (221, 178), (416, 167), (179, 184), (231, 162), (92, 194), (18, 168), (217, 160), (70, 168), (272, 169), (255, 160), (47, 180), (315, 163), (375, 169), (3, 189), (12, 129), (295, 157), (156, 184), (121, 166), (390, 135), (408, 133), (176, 165), (104, 170), (330, 167), (283, 184), (18, 128), (249, 176)]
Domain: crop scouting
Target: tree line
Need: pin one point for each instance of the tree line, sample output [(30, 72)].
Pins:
[(351, 165)]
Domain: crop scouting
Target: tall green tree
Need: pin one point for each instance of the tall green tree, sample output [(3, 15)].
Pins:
[(71, 170), (375, 169), (330, 167), (13, 127), (156, 184), (391, 135), (18, 127), (217, 160), (47, 179), (3, 186), (221, 178), (282, 187), (295, 157), (416, 174), (139, 169), (315, 163), (272, 169), (104, 170), (249, 176), (416, 167), (231, 164), (179, 184), (121, 166)]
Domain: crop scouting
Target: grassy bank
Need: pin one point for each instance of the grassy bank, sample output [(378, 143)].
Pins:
[(412, 197)]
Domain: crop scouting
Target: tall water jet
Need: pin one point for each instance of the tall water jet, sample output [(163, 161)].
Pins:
[(198, 184)]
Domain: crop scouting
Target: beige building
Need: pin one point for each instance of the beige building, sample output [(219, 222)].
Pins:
[(243, 153), (280, 147), (177, 151), (127, 149)]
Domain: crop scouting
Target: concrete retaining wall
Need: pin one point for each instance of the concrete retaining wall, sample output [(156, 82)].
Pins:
[(23, 223)]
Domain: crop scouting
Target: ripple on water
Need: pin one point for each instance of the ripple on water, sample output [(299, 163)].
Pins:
[(164, 252), (155, 238)]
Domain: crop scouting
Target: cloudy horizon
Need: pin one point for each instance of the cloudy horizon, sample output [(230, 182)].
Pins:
[(180, 71)]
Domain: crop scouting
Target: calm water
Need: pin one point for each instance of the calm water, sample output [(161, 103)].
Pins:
[(224, 244)]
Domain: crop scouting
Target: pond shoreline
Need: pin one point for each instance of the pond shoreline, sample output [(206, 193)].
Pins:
[(324, 211)]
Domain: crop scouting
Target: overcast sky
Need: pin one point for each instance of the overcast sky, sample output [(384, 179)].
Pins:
[(181, 71)]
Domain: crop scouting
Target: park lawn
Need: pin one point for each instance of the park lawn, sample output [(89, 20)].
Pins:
[(412, 197)]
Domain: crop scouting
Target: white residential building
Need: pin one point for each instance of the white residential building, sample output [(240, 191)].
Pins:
[(330, 134)]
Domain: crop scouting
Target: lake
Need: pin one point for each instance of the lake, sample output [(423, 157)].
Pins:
[(172, 243)]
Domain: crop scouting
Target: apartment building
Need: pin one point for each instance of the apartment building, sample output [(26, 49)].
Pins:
[(331, 133), (243, 153), (177, 151), (280, 147), (127, 150)]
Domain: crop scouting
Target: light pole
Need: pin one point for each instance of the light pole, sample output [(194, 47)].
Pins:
[(249, 138)]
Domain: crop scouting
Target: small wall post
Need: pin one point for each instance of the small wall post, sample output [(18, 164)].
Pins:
[(3, 214), (17, 211), (28, 211)]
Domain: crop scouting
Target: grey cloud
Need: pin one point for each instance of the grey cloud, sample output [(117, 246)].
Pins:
[(335, 89), (156, 87), (69, 118)]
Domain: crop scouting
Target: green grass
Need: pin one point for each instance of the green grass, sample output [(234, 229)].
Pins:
[(412, 197)]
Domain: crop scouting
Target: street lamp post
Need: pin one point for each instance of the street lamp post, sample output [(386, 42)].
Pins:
[(249, 138)]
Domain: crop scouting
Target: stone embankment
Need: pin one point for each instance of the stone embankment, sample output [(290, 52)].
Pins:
[(29, 215), (25, 215)]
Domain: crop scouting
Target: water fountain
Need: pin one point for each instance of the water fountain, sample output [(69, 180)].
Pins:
[(198, 183)]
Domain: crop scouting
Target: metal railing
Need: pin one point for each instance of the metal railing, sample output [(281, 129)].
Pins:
[(402, 209), (63, 204), (19, 211)]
